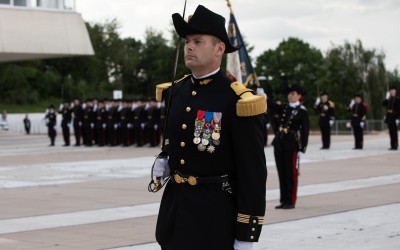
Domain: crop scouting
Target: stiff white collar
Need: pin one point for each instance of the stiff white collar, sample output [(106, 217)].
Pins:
[(294, 104), (207, 75)]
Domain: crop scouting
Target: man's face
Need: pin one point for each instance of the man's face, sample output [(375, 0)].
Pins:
[(201, 51), (393, 92), (293, 96), (324, 98), (357, 99)]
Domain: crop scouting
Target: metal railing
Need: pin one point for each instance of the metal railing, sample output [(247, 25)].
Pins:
[(343, 127)]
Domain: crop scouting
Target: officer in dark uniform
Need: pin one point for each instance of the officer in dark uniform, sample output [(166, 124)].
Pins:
[(289, 143), (88, 123), (101, 123), (66, 121), (392, 105), (152, 125), (111, 123), (77, 112), (358, 120), (139, 123), (125, 113), (216, 197), (51, 122), (326, 110)]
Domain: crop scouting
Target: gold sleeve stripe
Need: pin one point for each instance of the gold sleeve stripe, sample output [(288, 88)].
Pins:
[(244, 218)]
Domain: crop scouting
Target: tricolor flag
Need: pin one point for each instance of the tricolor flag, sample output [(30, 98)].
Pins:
[(238, 67)]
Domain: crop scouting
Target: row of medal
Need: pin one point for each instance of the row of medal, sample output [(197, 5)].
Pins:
[(207, 130)]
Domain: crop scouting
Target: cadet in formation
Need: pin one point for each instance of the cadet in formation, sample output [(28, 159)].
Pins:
[(290, 143), (392, 118), (51, 123), (215, 142), (326, 111), (358, 110)]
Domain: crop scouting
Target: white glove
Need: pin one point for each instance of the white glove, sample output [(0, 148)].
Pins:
[(161, 169), (55, 127), (129, 125), (331, 122), (155, 126), (62, 106), (299, 154), (362, 124), (104, 125), (268, 125), (142, 125), (397, 122), (326, 107), (387, 95), (92, 125), (115, 126), (352, 103), (318, 101), (80, 124), (242, 245)]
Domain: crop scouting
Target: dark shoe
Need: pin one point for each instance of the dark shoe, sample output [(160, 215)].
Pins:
[(279, 206), (323, 148), (392, 148), (288, 206)]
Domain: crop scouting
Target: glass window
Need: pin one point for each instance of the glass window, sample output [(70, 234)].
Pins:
[(69, 4), (19, 2), (50, 4), (5, 1)]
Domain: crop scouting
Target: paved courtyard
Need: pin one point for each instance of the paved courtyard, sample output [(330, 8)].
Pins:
[(96, 198)]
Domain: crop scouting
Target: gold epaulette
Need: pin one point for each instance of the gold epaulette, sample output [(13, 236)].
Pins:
[(249, 104), (163, 86), (331, 104)]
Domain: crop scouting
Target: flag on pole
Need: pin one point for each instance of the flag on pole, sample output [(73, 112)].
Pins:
[(239, 67)]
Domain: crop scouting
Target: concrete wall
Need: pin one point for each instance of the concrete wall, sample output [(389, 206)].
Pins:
[(37, 34)]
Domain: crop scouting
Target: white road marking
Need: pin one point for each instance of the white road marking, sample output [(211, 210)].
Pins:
[(130, 212), (366, 229)]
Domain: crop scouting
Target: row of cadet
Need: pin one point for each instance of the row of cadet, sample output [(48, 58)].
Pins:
[(108, 122), (325, 109)]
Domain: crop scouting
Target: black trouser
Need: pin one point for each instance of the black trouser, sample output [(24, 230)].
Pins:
[(52, 134), (124, 135), (358, 137), (88, 135), (66, 134), (326, 136), (101, 135), (78, 133), (394, 141), (286, 164)]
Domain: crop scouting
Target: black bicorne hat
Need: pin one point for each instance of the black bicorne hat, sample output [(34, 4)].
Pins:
[(295, 88), (203, 21), (359, 94), (393, 87), (323, 93)]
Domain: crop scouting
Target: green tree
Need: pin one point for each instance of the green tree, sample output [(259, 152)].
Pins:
[(292, 62)]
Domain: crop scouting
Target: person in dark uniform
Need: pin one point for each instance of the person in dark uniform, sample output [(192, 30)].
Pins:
[(77, 112), (216, 197), (111, 126), (139, 123), (51, 122), (101, 123), (326, 110), (358, 110), (27, 124), (392, 118), (88, 123), (65, 122), (152, 125), (124, 118), (289, 143)]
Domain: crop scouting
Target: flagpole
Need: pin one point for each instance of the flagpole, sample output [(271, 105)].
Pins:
[(254, 74)]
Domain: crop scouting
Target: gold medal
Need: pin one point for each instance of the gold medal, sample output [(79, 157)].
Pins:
[(196, 140), (206, 136), (216, 142), (201, 147), (215, 136)]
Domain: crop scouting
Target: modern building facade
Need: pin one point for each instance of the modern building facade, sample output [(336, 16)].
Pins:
[(40, 29)]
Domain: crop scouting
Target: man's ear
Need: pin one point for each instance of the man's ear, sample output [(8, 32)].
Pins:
[(220, 49)]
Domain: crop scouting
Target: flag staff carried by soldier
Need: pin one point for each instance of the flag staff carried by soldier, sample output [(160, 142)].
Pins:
[(213, 148)]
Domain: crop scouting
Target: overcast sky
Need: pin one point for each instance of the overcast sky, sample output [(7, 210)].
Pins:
[(265, 23)]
